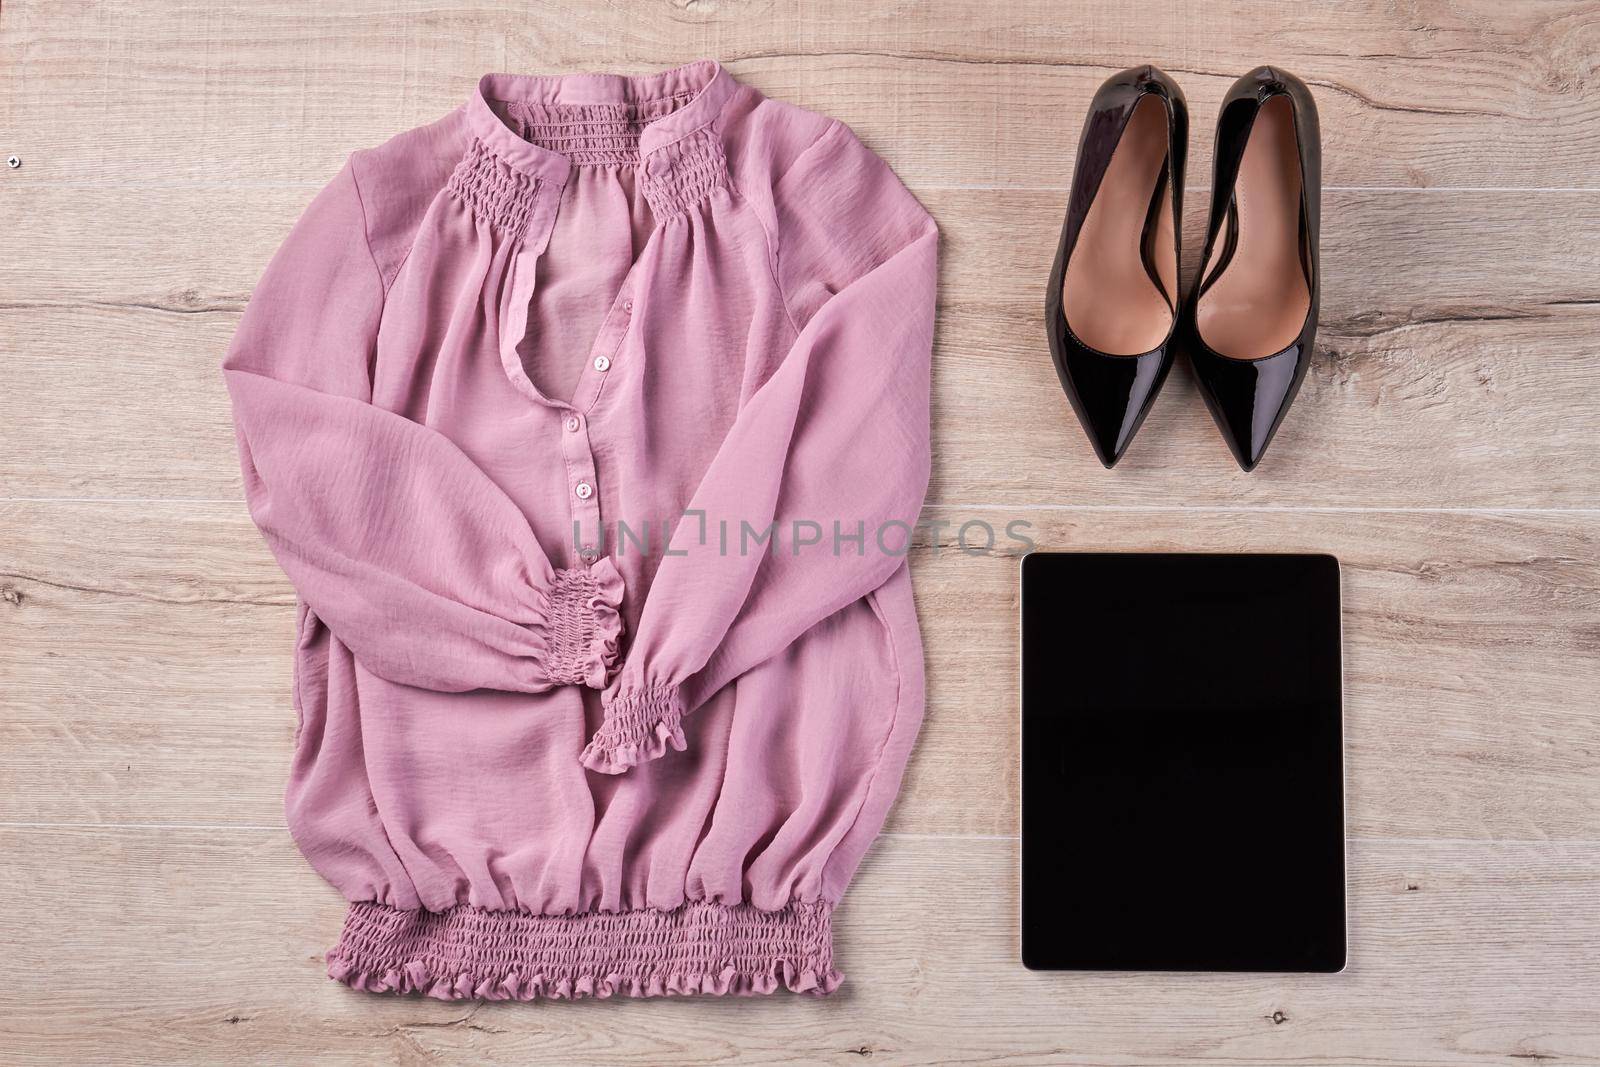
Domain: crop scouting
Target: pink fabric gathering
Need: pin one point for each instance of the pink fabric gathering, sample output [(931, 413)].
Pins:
[(590, 423)]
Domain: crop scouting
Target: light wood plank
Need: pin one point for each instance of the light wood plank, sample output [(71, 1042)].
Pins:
[(1449, 411), (1466, 661), (196, 248), (1465, 382), (207, 948), (1443, 412), (1467, 94), (149, 663)]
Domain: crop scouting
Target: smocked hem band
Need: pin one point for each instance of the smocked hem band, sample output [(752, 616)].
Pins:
[(638, 728), (469, 953), (583, 628)]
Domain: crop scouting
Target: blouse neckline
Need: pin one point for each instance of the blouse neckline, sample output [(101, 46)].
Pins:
[(703, 85)]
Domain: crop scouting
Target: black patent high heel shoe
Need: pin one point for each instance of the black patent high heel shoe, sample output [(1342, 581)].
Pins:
[(1250, 323), (1113, 299)]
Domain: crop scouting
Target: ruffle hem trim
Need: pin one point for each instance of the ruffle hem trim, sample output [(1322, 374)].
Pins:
[(701, 948)]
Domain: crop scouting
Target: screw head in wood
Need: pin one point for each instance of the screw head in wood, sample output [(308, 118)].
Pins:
[(13, 162)]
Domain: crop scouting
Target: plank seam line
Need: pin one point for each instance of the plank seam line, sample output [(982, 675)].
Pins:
[(1019, 187), (262, 827), (1022, 187), (1374, 509)]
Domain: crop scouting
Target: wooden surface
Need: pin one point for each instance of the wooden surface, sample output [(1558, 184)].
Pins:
[(152, 906)]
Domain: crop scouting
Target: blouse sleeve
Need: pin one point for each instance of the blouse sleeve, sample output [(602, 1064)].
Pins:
[(422, 566), (831, 455)]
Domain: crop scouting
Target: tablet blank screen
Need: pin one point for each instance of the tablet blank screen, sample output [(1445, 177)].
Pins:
[(1182, 763)]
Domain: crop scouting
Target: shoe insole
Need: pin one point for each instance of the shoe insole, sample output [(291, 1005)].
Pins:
[(1258, 303), (1107, 295)]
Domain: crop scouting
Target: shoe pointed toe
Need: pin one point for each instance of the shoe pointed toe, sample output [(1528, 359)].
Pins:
[(1249, 398), (1112, 395)]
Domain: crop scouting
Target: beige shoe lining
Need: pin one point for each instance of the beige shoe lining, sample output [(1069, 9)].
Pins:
[(1258, 304), (1107, 296)]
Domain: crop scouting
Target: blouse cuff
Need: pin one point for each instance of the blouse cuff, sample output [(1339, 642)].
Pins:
[(638, 727), (583, 629)]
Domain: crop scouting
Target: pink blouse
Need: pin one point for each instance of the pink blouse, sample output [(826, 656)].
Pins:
[(590, 423)]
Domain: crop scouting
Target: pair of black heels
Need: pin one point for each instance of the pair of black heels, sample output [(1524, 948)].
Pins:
[(1114, 313)]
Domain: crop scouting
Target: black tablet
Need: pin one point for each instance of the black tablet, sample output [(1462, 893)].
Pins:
[(1182, 763)]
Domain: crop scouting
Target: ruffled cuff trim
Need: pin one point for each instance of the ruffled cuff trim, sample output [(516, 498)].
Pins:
[(583, 628), (638, 728)]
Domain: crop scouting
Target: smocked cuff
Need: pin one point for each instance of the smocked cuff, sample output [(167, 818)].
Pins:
[(638, 728), (583, 629)]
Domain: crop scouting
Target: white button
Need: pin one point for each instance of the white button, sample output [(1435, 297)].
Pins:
[(584, 490), (627, 305), (572, 424), (587, 552), (602, 363)]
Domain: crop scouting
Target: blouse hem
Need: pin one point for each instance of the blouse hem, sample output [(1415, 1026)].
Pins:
[(701, 947)]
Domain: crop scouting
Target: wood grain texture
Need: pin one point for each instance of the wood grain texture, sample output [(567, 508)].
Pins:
[(1466, 380), (163, 667), (1430, 94), (1467, 953), (152, 907)]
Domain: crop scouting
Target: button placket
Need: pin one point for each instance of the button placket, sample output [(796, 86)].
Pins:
[(577, 449), (583, 485), (603, 356)]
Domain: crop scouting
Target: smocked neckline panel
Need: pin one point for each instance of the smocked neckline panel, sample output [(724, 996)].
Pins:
[(591, 134), (543, 125), (528, 133)]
